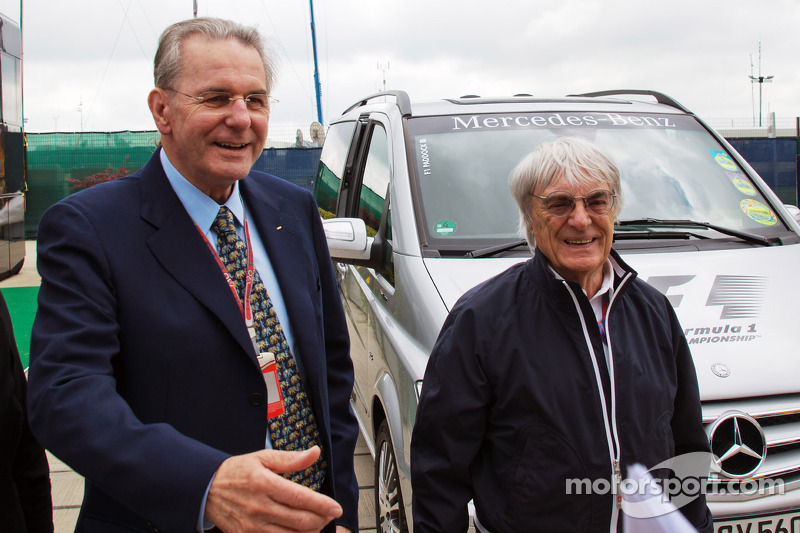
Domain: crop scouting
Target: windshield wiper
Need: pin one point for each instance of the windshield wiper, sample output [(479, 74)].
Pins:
[(493, 250), (745, 236), (630, 234)]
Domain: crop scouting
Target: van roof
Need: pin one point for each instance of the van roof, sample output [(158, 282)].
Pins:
[(611, 101)]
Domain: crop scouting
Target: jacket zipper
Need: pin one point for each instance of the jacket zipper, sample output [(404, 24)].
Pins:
[(610, 425)]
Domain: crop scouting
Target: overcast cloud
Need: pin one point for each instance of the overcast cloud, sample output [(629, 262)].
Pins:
[(88, 63)]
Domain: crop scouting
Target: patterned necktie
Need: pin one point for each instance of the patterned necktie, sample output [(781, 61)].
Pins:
[(296, 428)]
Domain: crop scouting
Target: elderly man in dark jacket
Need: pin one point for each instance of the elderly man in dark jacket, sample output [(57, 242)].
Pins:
[(560, 372)]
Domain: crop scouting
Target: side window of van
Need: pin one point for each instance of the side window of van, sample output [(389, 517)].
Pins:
[(331, 167), (375, 181), (372, 200)]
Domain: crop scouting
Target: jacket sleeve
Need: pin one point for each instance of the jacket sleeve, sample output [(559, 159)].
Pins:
[(32, 478), (687, 422), (449, 428), (343, 426), (29, 472)]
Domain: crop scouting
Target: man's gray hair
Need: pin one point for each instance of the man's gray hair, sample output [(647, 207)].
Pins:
[(167, 66), (578, 161)]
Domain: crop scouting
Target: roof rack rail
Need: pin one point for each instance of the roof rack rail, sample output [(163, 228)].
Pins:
[(661, 98), (401, 97)]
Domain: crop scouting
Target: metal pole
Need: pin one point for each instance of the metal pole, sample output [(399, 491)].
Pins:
[(760, 80), (22, 69), (760, 105), (316, 69), (194, 9)]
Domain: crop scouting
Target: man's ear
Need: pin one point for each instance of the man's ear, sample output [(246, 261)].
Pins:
[(161, 108)]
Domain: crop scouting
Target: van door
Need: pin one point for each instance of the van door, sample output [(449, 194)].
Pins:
[(364, 195), (371, 199)]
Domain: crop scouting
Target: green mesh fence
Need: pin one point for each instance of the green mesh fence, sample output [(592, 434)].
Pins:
[(55, 158)]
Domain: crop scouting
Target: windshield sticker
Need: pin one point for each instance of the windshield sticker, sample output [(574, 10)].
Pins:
[(724, 160), (758, 212), (445, 227), (740, 182), (424, 157)]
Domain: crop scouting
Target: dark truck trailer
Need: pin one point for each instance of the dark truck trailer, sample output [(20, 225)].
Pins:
[(12, 150)]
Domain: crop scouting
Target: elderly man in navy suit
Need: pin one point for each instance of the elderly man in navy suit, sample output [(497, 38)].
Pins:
[(190, 357)]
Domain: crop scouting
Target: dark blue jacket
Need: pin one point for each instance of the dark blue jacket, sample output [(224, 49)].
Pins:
[(517, 400), (143, 377)]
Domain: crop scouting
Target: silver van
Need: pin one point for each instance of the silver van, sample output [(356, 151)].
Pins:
[(418, 210)]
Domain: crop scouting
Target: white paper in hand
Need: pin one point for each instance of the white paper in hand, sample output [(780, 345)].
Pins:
[(646, 509)]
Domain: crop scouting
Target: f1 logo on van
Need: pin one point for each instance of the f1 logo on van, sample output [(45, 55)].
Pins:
[(739, 296)]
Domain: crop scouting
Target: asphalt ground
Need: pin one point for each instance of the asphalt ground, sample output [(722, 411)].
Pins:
[(20, 292)]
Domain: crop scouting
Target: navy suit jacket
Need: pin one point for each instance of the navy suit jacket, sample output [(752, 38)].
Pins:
[(143, 378)]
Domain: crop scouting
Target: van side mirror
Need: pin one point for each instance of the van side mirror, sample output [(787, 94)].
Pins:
[(794, 211), (347, 239)]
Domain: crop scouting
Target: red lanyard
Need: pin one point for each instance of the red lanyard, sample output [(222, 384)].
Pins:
[(246, 310)]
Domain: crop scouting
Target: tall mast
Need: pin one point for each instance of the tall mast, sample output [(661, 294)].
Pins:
[(316, 68), (761, 80)]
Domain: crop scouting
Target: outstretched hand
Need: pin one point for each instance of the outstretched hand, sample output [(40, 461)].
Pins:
[(249, 494)]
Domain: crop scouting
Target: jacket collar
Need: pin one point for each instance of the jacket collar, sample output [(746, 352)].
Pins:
[(543, 277)]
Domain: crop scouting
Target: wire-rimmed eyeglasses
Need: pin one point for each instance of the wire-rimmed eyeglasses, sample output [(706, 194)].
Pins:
[(221, 101), (561, 203)]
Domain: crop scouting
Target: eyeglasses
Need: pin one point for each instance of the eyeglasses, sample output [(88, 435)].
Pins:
[(561, 203), (221, 101)]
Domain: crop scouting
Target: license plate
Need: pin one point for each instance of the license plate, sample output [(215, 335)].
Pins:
[(776, 523)]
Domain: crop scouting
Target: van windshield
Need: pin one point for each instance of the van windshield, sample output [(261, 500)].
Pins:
[(671, 169)]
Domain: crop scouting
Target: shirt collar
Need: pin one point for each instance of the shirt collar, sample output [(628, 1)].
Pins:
[(200, 206), (608, 278)]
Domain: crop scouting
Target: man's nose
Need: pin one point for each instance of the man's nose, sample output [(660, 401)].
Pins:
[(238, 114), (580, 215)]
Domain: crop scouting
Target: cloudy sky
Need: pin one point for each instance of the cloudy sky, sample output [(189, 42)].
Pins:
[(88, 63)]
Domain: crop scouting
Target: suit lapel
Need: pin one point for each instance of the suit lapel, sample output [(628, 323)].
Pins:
[(278, 229), (280, 232), (181, 250)]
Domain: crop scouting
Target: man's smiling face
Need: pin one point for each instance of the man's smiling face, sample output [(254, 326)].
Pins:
[(576, 245), (213, 148)]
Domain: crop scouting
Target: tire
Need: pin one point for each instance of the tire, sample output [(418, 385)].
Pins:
[(389, 510)]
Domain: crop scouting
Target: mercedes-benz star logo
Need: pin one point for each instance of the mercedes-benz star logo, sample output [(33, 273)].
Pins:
[(738, 445), (720, 370)]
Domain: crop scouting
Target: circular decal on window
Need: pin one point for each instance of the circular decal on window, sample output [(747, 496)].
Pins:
[(740, 182), (758, 212), (445, 227), (724, 160)]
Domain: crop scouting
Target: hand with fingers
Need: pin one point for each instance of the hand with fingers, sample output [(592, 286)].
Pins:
[(248, 493)]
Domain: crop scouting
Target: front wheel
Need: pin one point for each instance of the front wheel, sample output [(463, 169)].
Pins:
[(389, 511)]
